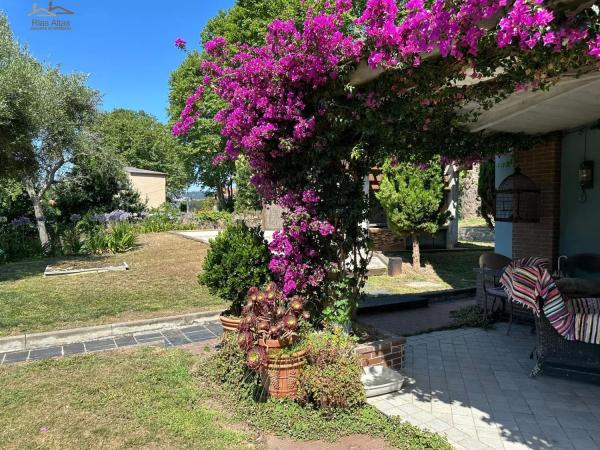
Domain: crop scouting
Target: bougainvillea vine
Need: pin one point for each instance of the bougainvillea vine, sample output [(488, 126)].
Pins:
[(310, 136)]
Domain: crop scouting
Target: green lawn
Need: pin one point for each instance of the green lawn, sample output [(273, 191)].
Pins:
[(472, 222), (161, 281), (166, 398), (439, 270), (145, 398)]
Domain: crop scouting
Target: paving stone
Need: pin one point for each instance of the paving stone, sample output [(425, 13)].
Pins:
[(16, 357), (100, 345), (73, 349), (149, 337), (125, 341), (477, 384), (44, 353), (175, 341), (198, 336), (193, 328), (172, 334), (215, 328)]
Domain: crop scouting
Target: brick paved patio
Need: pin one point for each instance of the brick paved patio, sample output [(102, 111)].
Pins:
[(472, 385)]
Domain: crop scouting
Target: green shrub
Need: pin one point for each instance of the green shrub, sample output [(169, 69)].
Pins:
[(212, 216), (331, 379), (237, 259), (470, 316), (71, 240), (19, 241), (95, 242), (239, 391), (204, 204), (229, 368), (120, 237), (164, 218)]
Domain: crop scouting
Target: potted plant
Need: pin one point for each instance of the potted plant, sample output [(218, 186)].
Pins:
[(237, 259), (269, 337)]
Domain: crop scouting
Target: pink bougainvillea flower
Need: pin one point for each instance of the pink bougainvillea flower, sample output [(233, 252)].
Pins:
[(180, 43)]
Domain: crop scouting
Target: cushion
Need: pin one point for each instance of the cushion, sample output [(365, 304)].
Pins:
[(578, 287)]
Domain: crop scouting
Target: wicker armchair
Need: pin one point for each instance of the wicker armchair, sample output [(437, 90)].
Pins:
[(553, 351), (570, 358)]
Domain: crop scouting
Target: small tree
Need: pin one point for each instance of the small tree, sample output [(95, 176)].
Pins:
[(411, 196), (96, 182)]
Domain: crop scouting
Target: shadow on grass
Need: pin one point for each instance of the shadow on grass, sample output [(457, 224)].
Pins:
[(454, 267)]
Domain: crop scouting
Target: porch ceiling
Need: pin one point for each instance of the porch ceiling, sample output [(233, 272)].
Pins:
[(570, 103)]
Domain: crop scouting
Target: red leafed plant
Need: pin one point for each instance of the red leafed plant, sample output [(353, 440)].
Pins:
[(268, 315)]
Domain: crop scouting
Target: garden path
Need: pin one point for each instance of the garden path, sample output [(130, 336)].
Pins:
[(169, 338)]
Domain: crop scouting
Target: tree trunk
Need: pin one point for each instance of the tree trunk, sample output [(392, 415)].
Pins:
[(220, 196), (416, 252), (40, 220)]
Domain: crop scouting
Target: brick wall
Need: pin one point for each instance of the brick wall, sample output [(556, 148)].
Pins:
[(385, 240), (384, 352), (541, 164)]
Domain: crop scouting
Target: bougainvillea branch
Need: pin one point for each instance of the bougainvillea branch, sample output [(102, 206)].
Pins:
[(310, 137)]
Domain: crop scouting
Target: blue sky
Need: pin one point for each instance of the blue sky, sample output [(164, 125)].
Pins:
[(125, 46)]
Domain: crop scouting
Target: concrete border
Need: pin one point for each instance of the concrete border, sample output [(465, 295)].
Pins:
[(69, 336)]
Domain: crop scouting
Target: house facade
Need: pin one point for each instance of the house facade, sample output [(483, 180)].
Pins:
[(566, 117), (151, 185)]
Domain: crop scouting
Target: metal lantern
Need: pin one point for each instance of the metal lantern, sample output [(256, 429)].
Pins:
[(517, 199), (586, 174)]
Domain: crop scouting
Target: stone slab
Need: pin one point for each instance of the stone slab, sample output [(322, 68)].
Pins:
[(380, 380)]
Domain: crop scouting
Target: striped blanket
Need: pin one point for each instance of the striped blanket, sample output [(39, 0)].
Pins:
[(575, 319)]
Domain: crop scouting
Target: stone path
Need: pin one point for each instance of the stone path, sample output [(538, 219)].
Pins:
[(168, 337), (472, 385)]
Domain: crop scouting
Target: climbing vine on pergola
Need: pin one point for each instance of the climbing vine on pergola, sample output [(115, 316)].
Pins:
[(324, 100)]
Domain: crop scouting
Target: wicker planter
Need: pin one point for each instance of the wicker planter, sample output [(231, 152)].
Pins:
[(280, 377), (230, 323)]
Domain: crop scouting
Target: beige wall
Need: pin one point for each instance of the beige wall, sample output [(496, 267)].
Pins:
[(151, 187)]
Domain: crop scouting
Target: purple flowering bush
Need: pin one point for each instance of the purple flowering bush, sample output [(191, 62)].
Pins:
[(311, 131)]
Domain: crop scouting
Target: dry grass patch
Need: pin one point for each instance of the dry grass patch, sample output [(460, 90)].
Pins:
[(162, 280)]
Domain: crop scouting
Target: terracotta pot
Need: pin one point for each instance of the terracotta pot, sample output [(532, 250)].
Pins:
[(280, 377), (230, 323)]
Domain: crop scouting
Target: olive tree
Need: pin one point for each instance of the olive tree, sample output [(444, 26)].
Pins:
[(46, 114)]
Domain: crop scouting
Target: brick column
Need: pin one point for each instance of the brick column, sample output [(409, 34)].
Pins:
[(542, 164)]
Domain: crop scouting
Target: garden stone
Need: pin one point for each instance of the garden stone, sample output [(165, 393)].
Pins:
[(380, 380)]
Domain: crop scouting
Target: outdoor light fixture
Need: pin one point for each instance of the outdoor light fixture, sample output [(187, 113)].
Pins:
[(517, 199), (586, 175), (586, 171)]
